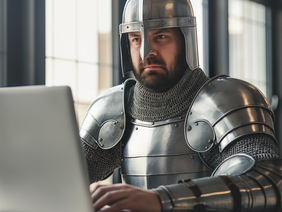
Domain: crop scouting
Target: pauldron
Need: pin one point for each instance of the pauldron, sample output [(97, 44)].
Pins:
[(104, 123), (224, 110)]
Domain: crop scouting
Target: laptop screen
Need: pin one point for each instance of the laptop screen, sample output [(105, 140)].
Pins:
[(42, 167)]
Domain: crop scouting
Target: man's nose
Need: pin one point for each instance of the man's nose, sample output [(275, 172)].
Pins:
[(154, 51), (148, 48)]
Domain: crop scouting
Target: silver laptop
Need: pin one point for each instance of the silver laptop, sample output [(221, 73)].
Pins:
[(42, 167)]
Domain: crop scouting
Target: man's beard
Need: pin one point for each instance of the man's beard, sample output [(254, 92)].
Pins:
[(163, 81)]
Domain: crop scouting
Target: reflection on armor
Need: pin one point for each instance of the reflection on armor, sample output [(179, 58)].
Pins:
[(235, 165), (259, 189), (155, 153), (224, 110), (104, 124)]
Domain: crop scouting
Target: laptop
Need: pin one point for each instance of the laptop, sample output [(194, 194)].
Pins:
[(42, 167)]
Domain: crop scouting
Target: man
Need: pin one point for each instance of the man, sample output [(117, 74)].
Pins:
[(199, 144)]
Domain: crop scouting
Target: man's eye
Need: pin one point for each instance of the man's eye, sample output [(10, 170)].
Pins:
[(161, 37), (136, 40)]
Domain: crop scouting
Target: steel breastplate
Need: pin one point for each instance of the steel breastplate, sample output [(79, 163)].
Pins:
[(155, 153)]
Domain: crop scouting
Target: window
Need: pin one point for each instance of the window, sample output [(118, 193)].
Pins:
[(247, 40), (3, 43), (78, 48), (200, 11)]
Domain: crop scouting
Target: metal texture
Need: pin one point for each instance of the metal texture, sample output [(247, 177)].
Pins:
[(155, 153), (104, 123), (259, 189), (144, 15), (226, 109), (235, 165)]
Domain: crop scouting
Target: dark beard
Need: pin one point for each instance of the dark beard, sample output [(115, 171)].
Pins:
[(164, 81)]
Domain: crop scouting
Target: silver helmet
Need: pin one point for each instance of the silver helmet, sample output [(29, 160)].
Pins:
[(144, 15)]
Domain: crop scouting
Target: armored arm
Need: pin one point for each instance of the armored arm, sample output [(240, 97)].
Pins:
[(256, 189), (231, 122), (101, 131)]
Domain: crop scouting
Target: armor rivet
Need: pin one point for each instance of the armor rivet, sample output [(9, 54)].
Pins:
[(192, 157), (210, 141), (206, 147), (127, 27), (163, 23), (121, 126), (100, 139), (197, 123), (136, 128), (176, 125), (190, 113), (102, 145), (121, 113), (189, 128), (153, 123), (189, 21)]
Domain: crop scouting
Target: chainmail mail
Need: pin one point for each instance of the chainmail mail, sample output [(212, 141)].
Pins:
[(101, 163), (259, 146), (148, 106)]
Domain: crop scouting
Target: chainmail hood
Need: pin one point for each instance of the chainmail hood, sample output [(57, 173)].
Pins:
[(149, 106)]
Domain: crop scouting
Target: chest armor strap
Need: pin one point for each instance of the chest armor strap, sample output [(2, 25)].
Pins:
[(155, 153)]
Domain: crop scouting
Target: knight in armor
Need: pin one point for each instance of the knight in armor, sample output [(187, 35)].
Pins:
[(182, 141)]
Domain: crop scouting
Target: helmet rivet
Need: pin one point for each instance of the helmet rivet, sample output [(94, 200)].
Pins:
[(190, 21), (189, 128)]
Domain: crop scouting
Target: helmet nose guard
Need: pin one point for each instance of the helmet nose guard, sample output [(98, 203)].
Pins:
[(144, 15)]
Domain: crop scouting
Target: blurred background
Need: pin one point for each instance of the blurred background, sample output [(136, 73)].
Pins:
[(76, 43)]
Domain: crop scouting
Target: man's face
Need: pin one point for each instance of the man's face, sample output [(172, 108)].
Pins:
[(165, 64)]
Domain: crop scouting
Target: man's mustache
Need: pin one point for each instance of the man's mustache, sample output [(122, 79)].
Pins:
[(151, 60)]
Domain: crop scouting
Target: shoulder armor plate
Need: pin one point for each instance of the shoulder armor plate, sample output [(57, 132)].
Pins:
[(104, 123), (224, 110)]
